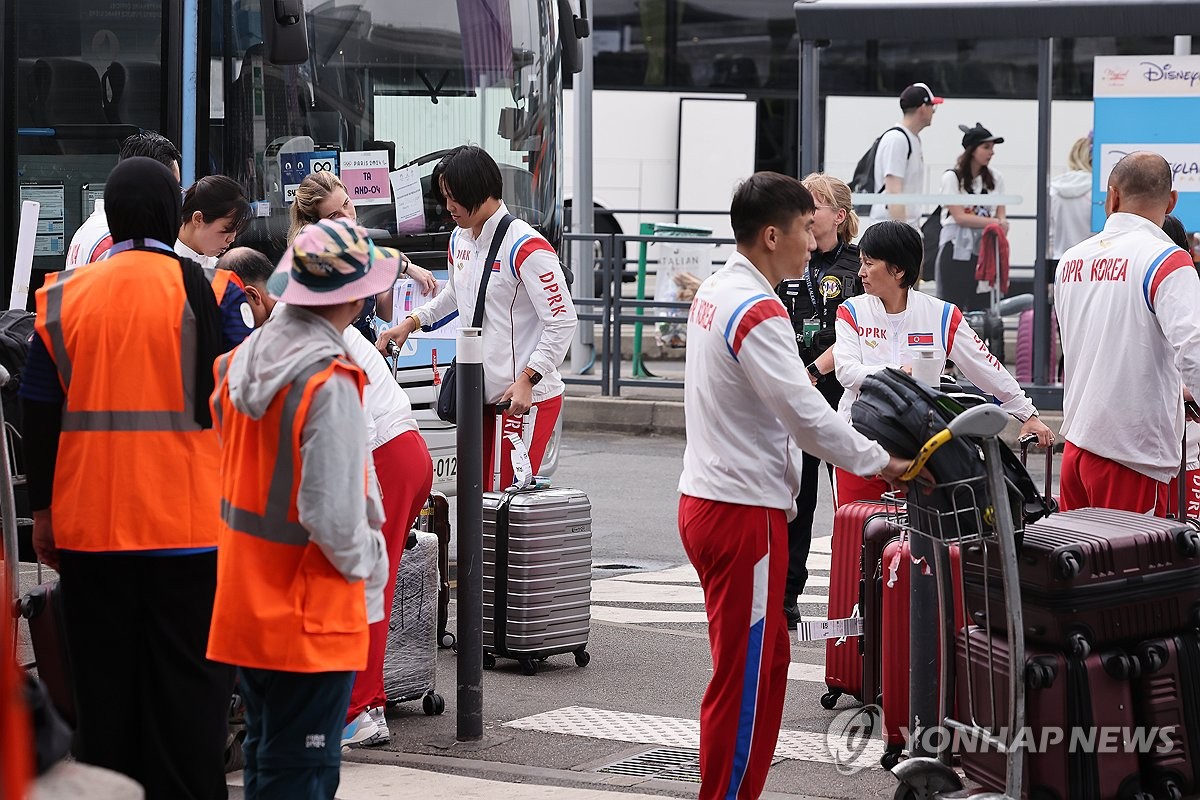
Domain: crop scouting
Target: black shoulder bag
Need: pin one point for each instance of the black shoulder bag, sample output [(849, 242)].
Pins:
[(447, 401)]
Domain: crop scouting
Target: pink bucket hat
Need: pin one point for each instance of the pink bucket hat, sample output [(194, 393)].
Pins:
[(331, 262)]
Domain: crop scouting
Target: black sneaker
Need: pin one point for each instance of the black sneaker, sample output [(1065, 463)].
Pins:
[(792, 612)]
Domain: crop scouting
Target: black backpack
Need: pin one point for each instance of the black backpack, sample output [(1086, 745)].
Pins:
[(901, 414), (931, 234), (863, 181), (16, 330)]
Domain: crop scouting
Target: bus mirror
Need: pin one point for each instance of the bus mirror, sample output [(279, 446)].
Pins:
[(285, 32), (571, 29)]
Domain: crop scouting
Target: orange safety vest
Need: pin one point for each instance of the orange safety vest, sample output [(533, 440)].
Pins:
[(280, 604), (220, 280), (134, 470)]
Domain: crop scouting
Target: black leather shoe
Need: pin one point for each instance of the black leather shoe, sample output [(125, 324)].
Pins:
[(792, 612)]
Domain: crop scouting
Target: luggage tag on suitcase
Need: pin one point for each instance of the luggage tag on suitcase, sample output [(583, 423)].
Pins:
[(817, 630), (523, 477)]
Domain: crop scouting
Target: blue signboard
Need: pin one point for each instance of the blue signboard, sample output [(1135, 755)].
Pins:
[(1148, 103)]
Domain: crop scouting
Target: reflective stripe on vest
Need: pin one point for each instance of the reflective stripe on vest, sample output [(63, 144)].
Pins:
[(53, 287)]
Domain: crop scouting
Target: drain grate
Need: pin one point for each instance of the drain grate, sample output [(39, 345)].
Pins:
[(664, 763)]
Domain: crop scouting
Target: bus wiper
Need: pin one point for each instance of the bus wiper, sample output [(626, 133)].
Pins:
[(434, 91)]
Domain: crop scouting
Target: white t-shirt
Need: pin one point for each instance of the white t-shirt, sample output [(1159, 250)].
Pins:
[(951, 229), (892, 158), (387, 407)]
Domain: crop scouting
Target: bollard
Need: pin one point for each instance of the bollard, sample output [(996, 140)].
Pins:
[(469, 369)]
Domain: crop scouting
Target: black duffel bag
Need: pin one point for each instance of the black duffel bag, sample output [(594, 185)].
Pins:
[(902, 414)]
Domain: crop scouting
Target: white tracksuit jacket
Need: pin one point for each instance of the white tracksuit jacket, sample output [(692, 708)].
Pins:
[(1128, 303), (750, 407), (528, 319), (869, 339)]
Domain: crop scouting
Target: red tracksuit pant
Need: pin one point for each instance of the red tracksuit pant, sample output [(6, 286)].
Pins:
[(543, 427), (849, 488), (741, 554), (405, 475), (1091, 481)]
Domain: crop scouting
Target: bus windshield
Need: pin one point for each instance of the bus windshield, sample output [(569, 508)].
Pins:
[(406, 78)]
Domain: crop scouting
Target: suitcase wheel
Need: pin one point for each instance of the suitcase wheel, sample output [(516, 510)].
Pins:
[(1152, 656), (1189, 543), (830, 698), (528, 666), (1078, 645), (489, 661), (582, 658), (890, 757), (1069, 565), (446, 640), (433, 704)]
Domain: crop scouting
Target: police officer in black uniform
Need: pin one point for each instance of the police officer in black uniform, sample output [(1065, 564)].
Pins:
[(812, 303)]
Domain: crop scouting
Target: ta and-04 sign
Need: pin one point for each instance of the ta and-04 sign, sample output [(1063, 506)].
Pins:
[(294, 167), (365, 174), (1148, 103)]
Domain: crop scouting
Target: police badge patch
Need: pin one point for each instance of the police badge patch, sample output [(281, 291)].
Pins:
[(831, 287)]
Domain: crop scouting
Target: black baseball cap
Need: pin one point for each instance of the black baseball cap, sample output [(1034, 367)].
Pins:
[(973, 137), (917, 95)]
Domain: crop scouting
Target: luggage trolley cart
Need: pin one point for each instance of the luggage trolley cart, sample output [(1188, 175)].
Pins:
[(973, 520), (8, 519)]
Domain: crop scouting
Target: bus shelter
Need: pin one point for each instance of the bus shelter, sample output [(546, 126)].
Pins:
[(1043, 20)]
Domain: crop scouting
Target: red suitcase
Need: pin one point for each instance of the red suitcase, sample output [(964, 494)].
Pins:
[(1094, 577), (1166, 696), (852, 665), (1080, 697), (895, 639)]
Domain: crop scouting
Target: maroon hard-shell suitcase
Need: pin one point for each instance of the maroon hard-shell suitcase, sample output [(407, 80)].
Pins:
[(1092, 577), (1025, 347), (895, 637), (1166, 697), (1080, 698), (852, 665)]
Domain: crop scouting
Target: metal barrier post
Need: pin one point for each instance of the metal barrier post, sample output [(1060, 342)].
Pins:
[(469, 369), (639, 369)]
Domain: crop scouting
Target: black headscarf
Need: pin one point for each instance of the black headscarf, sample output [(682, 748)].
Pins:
[(142, 201)]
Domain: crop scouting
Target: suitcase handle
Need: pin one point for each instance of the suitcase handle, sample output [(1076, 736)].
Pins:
[(1026, 442)]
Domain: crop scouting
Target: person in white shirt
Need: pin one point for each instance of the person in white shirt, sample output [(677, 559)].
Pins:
[(962, 226), (899, 162), (92, 239), (750, 410), (1128, 302), (884, 326), (529, 318), (1071, 201), (402, 466)]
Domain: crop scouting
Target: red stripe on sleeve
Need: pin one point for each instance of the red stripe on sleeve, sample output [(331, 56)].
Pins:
[(956, 319), (529, 248), (760, 311), (1177, 260), (844, 315), (102, 247)]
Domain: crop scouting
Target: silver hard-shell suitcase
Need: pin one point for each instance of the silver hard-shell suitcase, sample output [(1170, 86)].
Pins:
[(537, 575), (410, 659)]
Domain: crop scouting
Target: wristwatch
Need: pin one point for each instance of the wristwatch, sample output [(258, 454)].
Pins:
[(534, 376), (814, 370)]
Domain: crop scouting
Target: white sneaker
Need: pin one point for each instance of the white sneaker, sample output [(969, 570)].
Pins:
[(382, 734), (360, 729)]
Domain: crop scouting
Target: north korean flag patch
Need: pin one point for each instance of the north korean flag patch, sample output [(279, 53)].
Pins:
[(920, 340)]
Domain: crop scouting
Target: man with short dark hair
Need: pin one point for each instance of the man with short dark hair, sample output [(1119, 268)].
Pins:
[(750, 409), (253, 269), (92, 239), (899, 162), (1128, 303)]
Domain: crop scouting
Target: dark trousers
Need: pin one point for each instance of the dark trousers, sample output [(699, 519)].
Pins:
[(150, 705), (800, 528), (294, 724), (957, 284)]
